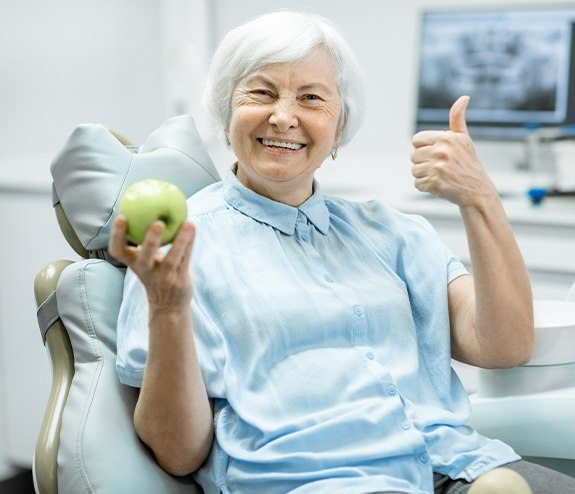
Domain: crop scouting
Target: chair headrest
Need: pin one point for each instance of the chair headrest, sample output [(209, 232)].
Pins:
[(94, 168)]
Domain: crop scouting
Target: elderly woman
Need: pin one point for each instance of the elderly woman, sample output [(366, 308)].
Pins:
[(304, 345)]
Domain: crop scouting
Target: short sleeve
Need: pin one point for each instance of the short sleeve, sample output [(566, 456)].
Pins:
[(425, 245), (132, 332), (132, 337), (455, 267), (210, 346)]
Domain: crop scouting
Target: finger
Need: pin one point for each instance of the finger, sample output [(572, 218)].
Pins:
[(180, 245), (117, 244), (421, 170), (422, 184), (187, 255), (457, 115), (151, 244), (422, 154), (426, 138)]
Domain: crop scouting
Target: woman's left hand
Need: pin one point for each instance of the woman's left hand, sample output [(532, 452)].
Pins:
[(445, 163)]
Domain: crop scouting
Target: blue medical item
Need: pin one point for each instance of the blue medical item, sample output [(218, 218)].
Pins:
[(536, 195)]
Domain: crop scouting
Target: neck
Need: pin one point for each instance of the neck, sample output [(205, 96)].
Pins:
[(290, 194)]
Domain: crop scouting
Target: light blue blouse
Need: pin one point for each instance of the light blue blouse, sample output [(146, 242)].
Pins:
[(322, 333)]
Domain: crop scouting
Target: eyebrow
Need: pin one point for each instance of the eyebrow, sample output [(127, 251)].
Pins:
[(267, 81)]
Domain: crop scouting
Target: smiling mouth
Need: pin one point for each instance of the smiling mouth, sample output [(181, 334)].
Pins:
[(281, 146)]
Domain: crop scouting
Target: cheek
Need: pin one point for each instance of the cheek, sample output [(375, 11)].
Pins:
[(244, 120), (237, 129), (324, 134), (326, 124), (242, 146)]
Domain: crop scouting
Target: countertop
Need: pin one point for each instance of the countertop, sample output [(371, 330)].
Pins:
[(354, 177), (397, 190)]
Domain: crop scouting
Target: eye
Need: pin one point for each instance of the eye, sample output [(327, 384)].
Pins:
[(261, 92), (312, 97)]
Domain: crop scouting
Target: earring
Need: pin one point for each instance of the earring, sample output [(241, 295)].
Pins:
[(228, 142), (333, 153)]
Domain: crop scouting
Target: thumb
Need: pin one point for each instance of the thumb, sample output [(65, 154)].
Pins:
[(457, 115)]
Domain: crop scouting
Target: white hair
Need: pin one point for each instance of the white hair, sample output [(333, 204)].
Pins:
[(283, 36)]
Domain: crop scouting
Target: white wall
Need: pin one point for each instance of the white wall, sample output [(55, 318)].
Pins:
[(66, 62), (24, 366), (62, 63)]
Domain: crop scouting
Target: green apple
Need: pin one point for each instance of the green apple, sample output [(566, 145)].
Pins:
[(151, 200)]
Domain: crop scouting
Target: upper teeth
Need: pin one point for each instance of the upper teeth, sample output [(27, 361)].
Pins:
[(280, 144)]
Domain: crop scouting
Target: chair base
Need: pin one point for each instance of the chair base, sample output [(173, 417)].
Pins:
[(537, 425)]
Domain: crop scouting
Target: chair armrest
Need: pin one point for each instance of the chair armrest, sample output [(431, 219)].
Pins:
[(62, 359)]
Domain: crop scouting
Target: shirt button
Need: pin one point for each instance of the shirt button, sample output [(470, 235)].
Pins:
[(370, 355), (304, 237), (406, 424), (391, 390), (358, 311), (423, 457), (327, 277)]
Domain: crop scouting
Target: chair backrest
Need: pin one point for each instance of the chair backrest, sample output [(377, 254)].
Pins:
[(87, 441)]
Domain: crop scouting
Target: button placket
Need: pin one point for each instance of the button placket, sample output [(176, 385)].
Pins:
[(423, 457), (302, 233), (302, 228), (391, 390), (360, 326)]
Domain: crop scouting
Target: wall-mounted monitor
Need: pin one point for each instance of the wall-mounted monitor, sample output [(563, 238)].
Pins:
[(516, 64)]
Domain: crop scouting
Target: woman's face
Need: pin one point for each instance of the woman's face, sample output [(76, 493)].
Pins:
[(285, 104)]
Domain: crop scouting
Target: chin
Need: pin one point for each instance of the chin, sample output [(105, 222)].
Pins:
[(276, 169), (276, 174), (272, 167)]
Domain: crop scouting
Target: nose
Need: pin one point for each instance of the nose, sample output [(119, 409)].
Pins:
[(284, 115)]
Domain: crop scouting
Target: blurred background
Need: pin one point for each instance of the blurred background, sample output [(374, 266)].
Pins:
[(131, 64)]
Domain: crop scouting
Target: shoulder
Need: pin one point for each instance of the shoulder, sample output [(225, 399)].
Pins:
[(379, 215), (208, 200), (214, 219)]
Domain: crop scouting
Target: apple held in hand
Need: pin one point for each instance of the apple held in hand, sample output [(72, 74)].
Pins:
[(151, 200)]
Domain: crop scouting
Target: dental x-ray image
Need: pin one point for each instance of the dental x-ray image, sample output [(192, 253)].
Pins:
[(514, 67)]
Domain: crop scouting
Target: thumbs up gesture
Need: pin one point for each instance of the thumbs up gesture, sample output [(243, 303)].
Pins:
[(445, 163)]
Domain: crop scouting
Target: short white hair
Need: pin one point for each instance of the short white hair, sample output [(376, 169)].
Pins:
[(278, 37)]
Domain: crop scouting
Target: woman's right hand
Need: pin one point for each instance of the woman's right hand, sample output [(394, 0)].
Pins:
[(164, 275)]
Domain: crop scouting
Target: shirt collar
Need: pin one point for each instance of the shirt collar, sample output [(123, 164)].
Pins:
[(276, 214)]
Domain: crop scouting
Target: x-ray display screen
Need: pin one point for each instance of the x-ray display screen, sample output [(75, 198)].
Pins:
[(514, 64)]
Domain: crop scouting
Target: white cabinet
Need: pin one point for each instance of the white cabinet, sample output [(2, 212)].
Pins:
[(545, 235), (31, 239)]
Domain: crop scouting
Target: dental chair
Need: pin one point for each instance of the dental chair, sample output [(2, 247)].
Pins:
[(87, 442), (532, 407)]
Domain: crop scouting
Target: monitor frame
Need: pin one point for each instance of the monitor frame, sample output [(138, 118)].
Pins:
[(485, 128)]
